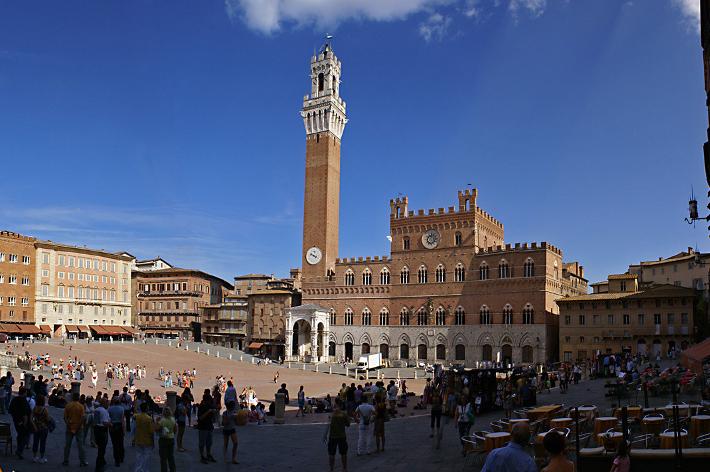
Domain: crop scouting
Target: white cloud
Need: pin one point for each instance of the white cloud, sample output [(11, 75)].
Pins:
[(435, 27), (534, 7), (691, 11), (269, 16), (471, 8)]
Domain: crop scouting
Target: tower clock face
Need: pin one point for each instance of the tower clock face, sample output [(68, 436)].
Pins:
[(314, 255), (431, 239)]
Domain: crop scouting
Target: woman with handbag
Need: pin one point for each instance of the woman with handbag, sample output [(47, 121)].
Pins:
[(40, 427)]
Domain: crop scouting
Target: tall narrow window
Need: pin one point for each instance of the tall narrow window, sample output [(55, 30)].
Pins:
[(459, 316), (384, 317), (404, 317), (404, 276), (528, 314), (508, 315), (367, 277), (321, 82), (458, 239), (366, 317), (421, 317), (349, 277), (440, 316), (405, 243), (460, 273), (385, 276), (485, 315), (529, 268), (440, 274), (503, 269), (483, 271), (348, 316), (422, 275)]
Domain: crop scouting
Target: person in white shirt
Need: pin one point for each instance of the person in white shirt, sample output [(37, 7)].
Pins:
[(365, 413)]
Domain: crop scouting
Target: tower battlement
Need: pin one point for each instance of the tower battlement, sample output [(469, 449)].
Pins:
[(521, 247)]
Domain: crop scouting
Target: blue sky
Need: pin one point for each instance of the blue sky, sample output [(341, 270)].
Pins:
[(171, 128)]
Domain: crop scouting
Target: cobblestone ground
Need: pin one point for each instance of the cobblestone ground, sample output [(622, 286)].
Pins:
[(298, 445)]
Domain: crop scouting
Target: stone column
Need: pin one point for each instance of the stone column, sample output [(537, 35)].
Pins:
[(280, 408), (170, 400), (289, 344), (314, 346)]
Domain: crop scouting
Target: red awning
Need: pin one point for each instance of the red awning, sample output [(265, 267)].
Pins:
[(255, 345), (45, 329), (97, 329), (84, 329), (71, 328)]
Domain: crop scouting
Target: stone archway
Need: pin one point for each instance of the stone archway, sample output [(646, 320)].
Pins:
[(301, 345)]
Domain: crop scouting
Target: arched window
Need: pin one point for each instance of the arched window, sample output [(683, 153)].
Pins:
[(384, 317), (405, 243), (483, 271), (528, 354), (529, 268), (422, 274), (321, 82), (460, 352), (421, 317), (503, 269), (485, 315), (404, 317), (528, 314), (349, 277), (385, 276), (458, 238), (555, 270), (460, 273), (366, 277), (440, 316), (332, 316), (508, 314), (404, 276), (366, 317), (459, 316), (440, 352), (487, 352), (440, 274), (348, 316)]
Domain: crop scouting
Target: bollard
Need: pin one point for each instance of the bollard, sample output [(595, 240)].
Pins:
[(100, 340), (230, 357), (47, 340), (304, 366), (133, 340), (170, 343), (111, 339), (156, 341), (330, 369), (74, 340), (217, 353), (252, 360), (121, 340), (316, 367), (397, 374), (208, 351), (280, 408), (241, 358), (170, 400), (198, 349), (415, 374)]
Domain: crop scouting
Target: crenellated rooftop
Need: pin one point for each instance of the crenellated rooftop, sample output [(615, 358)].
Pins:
[(399, 208), (520, 247), (362, 260)]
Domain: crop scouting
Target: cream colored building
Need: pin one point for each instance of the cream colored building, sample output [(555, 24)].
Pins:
[(78, 287)]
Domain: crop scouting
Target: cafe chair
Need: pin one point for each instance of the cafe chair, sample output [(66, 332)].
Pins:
[(474, 449), (703, 440), (671, 430), (646, 440), (498, 426), (521, 414), (583, 440), (564, 431)]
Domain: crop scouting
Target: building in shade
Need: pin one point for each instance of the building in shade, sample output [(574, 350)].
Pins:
[(82, 291), (451, 289), (225, 324), (17, 280), (621, 316), (168, 302)]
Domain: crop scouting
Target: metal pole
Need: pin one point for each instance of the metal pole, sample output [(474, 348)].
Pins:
[(576, 431), (645, 395), (625, 423)]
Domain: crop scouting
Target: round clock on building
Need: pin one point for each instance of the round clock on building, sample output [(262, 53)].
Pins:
[(431, 239), (314, 255)]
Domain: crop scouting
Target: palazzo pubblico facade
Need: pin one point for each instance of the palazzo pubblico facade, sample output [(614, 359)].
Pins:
[(451, 291)]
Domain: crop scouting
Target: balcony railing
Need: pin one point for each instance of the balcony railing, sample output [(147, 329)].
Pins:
[(169, 293)]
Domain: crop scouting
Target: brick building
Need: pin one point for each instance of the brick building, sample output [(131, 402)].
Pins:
[(225, 324), (17, 279), (168, 302), (620, 316), (451, 290)]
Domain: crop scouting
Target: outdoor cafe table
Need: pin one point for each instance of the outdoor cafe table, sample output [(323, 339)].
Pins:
[(682, 410), (667, 439), (540, 437), (699, 424), (561, 422), (603, 423), (653, 424), (615, 437), (496, 440), (513, 421), (632, 412), (543, 411), (587, 411)]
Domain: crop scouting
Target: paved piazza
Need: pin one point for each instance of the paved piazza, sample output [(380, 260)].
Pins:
[(296, 445)]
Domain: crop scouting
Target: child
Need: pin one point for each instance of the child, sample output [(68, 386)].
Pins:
[(622, 462)]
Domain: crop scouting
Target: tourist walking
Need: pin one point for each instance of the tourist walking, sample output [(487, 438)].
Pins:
[(117, 415), (166, 441), (229, 430), (554, 444), (437, 409), (40, 421), (205, 425), (513, 457), (143, 436), (464, 420), (187, 400), (301, 401), (20, 412), (102, 423), (337, 439), (94, 378), (74, 418), (180, 419), (381, 416), (365, 414), (127, 403)]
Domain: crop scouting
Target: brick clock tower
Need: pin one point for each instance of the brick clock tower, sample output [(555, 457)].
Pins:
[(324, 118)]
